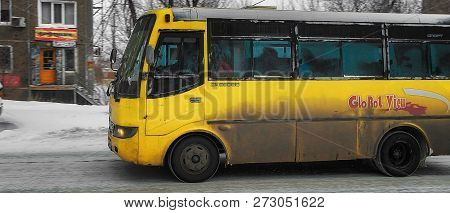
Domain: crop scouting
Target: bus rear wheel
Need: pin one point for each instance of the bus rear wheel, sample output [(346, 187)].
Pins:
[(399, 154), (194, 159)]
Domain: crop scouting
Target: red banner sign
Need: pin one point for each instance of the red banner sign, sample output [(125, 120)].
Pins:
[(53, 34), (10, 80)]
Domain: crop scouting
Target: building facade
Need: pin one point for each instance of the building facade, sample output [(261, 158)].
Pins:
[(46, 50), (436, 6)]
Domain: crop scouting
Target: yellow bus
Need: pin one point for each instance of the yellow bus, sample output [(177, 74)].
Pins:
[(198, 88)]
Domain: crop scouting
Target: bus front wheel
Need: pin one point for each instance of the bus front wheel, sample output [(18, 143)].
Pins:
[(194, 159), (399, 154)]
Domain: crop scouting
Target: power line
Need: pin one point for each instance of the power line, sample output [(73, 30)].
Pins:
[(258, 3)]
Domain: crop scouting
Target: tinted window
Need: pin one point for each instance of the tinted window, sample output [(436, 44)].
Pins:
[(177, 65), (248, 28), (408, 60), (340, 31), (178, 56), (231, 58), (362, 59), (272, 58), (319, 59), (339, 59), (133, 57), (422, 33), (440, 59), (240, 59)]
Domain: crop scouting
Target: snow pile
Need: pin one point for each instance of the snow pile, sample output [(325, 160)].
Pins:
[(35, 127)]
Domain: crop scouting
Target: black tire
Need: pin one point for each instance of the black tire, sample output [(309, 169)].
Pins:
[(399, 154), (194, 159)]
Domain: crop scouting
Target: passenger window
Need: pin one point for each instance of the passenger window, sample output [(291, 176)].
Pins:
[(362, 59), (408, 60), (272, 58), (243, 59), (231, 59), (440, 60), (177, 66), (178, 56), (319, 59)]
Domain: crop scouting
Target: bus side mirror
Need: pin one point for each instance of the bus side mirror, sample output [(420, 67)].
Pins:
[(113, 57), (1, 87), (150, 55)]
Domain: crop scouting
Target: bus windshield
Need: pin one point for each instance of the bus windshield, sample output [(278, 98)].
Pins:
[(133, 57)]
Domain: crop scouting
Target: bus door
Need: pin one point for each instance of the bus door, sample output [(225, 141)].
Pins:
[(174, 95)]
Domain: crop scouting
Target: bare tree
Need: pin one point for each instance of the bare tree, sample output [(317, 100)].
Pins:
[(132, 11), (379, 6), (190, 3), (115, 19), (311, 5)]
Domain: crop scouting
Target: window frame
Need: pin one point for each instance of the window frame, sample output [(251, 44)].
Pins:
[(11, 57), (10, 14), (289, 38), (197, 34), (369, 39), (414, 39), (341, 41), (259, 78), (298, 71), (63, 14), (430, 59), (409, 41), (382, 38)]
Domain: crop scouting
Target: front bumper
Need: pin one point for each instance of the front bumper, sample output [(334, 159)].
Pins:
[(126, 149)]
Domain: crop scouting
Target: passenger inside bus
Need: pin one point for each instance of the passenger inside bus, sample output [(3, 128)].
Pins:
[(319, 59), (408, 60), (440, 63), (269, 64)]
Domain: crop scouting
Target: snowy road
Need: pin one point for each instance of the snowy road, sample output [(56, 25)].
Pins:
[(102, 172), (62, 148)]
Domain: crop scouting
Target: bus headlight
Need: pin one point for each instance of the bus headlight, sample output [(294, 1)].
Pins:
[(124, 132)]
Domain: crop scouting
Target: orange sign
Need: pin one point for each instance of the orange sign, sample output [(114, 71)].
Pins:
[(53, 34)]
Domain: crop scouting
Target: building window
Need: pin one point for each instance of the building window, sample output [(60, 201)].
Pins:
[(5, 11), (6, 59), (69, 60), (57, 13)]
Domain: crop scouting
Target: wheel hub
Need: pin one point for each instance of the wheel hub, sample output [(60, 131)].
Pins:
[(399, 155), (195, 159)]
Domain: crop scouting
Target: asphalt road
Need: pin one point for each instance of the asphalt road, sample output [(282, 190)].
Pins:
[(102, 171)]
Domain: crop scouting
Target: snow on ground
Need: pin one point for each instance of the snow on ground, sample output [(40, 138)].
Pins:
[(37, 127)]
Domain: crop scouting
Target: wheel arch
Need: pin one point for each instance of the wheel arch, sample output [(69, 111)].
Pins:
[(412, 129), (210, 136)]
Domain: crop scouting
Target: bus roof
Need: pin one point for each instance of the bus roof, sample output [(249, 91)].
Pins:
[(202, 14)]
